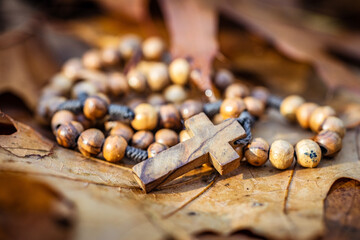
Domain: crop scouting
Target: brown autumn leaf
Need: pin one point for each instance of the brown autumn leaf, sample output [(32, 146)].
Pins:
[(266, 201)]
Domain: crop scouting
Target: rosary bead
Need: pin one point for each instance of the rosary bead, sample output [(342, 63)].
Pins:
[(179, 71), (61, 83), (167, 137), (96, 77), (237, 90), (146, 117), (289, 106), (92, 59), (254, 106), (129, 44), (47, 107), (72, 68), (334, 124), (257, 152), (96, 107), (153, 48), (110, 56), (232, 107), (137, 81), (184, 135), (190, 108), (175, 93), (155, 148), (122, 130), (118, 84), (83, 87), (133, 103), (67, 134), (158, 77), (142, 139), (304, 112), (281, 154), (329, 141), (260, 93), (90, 142), (61, 117), (223, 78), (156, 99), (86, 123), (308, 153), (318, 117), (217, 119), (114, 148), (170, 117)]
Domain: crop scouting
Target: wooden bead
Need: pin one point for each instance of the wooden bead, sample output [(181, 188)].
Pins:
[(260, 93), (232, 107), (170, 117), (304, 112), (158, 77), (153, 48), (114, 148), (167, 137), (308, 153), (318, 117), (156, 99), (329, 141), (184, 135), (61, 83), (289, 106), (68, 133), (97, 78), (240, 151), (118, 84), (92, 59), (90, 142), (96, 107), (83, 87), (133, 103), (85, 122), (47, 107), (237, 90), (254, 106), (146, 117), (334, 124), (190, 108), (217, 119), (142, 139), (179, 71), (72, 68), (110, 56), (223, 78), (281, 154), (129, 44), (61, 117), (136, 81), (155, 148), (257, 152), (123, 130), (175, 93)]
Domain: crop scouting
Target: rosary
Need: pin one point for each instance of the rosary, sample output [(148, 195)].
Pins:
[(77, 105)]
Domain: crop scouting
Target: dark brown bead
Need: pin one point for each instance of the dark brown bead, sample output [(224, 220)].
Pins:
[(223, 78), (190, 108), (329, 141), (237, 90), (257, 152), (167, 137), (61, 117), (68, 133), (142, 139), (92, 59), (114, 148), (118, 84), (260, 93), (96, 107), (90, 142), (123, 130), (155, 148), (170, 117)]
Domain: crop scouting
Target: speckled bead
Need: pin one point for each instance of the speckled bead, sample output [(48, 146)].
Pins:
[(237, 90), (334, 124), (155, 148), (175, 94), (61, 117), (142, 139), (329, 141), (304, 112), (96, 107), (223, 78), (281, 154), (190, 108), (123, 130), (184, 135), (90, 142), (129, 44), (260, 93), (308, 153), (68, 133), (92, 59), (179, 71), (254, 106), (153, 48), (158, 77), (318, 117), (146, 117), (167, 137), (136, 81), (257, 152), (114, 148), (170, 117), (232, 107), (290, 105), (118, 84)]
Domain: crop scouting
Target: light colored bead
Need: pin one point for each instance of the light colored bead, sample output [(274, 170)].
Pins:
[(179, 71), (281, 154), (96, 77), (83, 87), (61, 83), (329, 141), (129, 44), (156, 99), (47, 107), (308, 153), (303, 114), (121, 129), (110, 56), (190, 108), (184, 135), (260, 93), (90, 142), (170, 117), (158, 77), (96, 107), (142, 139), (223, 78), (137, 81), (237, 90), (67, 134), (92, 59), (318, 117), (118, 84), (175, 93), (167, 137), (257, 152), (289, 106), (72, 68), (254, 106), (153, 48), (155, 148), (61, 117), (146, 117), (334, 124), (114, 148), (232, 107), (217, 119)]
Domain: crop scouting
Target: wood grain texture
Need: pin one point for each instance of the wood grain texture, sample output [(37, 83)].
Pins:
[(208, 144)]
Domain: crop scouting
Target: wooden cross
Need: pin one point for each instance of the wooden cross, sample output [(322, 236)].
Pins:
[(209, 143)]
